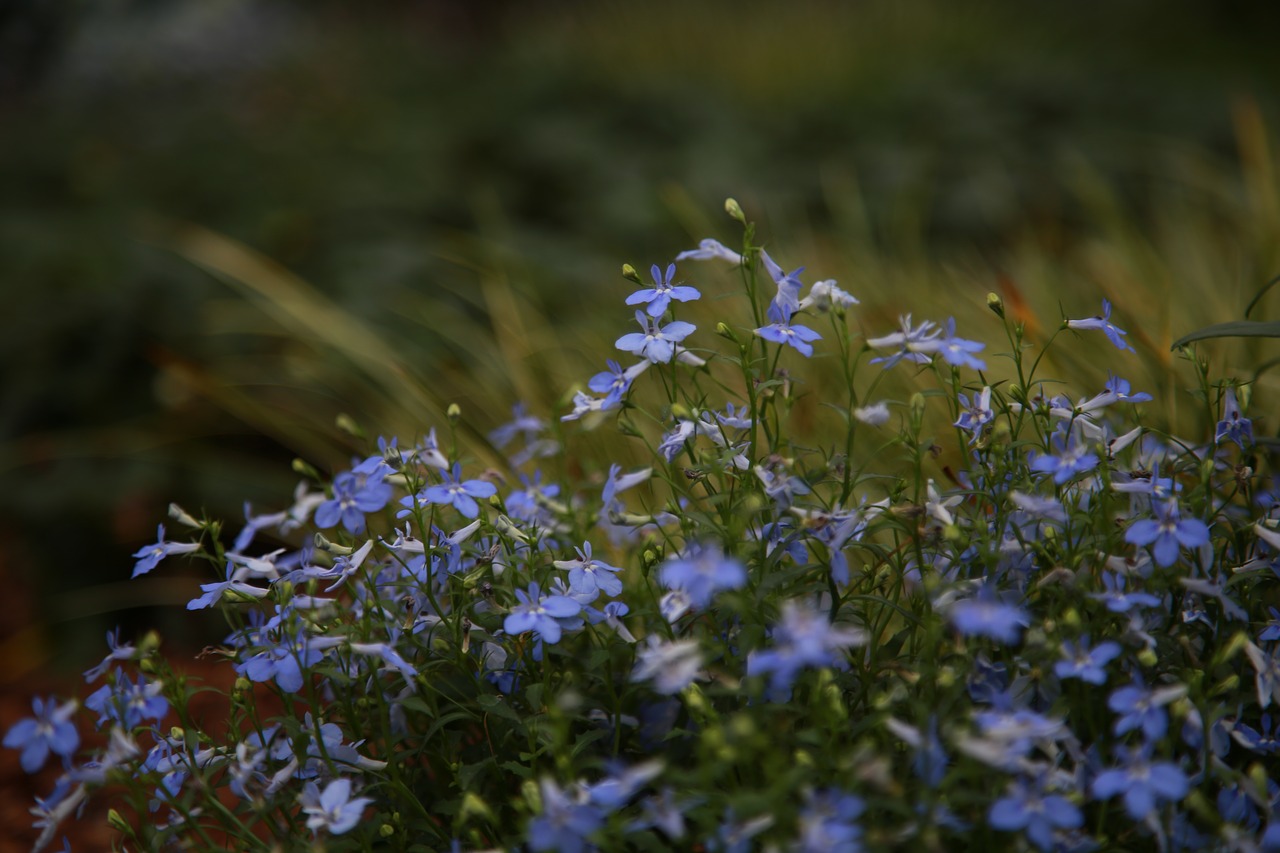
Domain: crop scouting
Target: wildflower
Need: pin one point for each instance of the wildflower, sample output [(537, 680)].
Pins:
[(565, 822), (1115, 391), (1267, 667), (877, 414), (827, 823), (803, 638), (611, 615), (1233, 427), (1080, 661), (824, 296), (782, 332), (1264, 740), (915, 344), (284, 662), (539, 613), (521, 423), (957, 351), (1143, 708), (1103, 323), (1143, 782), (454, 490), (1035, 812), (974, 416), (663, 291), (332, 810), (616, 381), (1167, 532), (584, 403), (930, 762), (151, 555), (671, 666), (656, 343), (1073, 457), (702, 571), (789, 284), (50, 730), (119, 651), (1117, 599), (589, 577), (353, 497), (128, 702), (708, 249), (985, 616)]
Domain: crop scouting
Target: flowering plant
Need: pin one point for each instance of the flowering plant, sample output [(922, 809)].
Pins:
[(770, 637)]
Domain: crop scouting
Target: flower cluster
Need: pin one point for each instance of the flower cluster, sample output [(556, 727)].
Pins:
[(1059, 633)]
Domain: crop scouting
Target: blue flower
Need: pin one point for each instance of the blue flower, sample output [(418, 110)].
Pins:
[(701, 572), (958, 351), (332, 810), (1073, 457), (1103, 323), (656, 343), (1117, 599), (1264, 740), (454, 490), (589, 577), (565, 822), (789, 284), (1167, 532), (985, 616), (50, 730), (1080, 661), (1233, 427), (151, 555), (538, 612), (1143, 782), (782, 332), (708, 249), (616, 381), (521, 424), (119, 651), (663, 291), (827, 823), (671, 666), (127, 702), (803, 638), (974, 416), (1142, 708), (1037, 813), (915, 344), (354, 495)]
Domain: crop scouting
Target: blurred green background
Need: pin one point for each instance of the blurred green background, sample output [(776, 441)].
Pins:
[(224, 222)]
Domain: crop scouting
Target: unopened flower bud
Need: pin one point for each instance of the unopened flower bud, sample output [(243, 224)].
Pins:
[(305, 468), (679, 410), (723, 330), (996, 304), (1148, 657), (734, 210), (630, 274), (118, 823), (453, 413), (386, 830), (181, 516), (348, 424)]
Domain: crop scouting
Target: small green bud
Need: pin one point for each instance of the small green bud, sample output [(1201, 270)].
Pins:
[(1258, 776), (1148, 657), (723, 330), (306, 469), (177, 733), (386, 830), (1071, 619), (1238, 642), (630, 274), (453, 413), (243, 685), (996, 304), (917, 405), (149, 643), (681, 411), (734, 210), (322, 543), (348, 424), (117, 822)]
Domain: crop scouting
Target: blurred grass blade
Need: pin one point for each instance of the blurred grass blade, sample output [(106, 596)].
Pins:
[(1234, 329), (1257, 297)]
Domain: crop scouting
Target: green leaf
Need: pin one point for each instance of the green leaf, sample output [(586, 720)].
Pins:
[(1234, 329)]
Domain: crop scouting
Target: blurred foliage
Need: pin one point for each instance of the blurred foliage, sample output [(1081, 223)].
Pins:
[(226, 222)]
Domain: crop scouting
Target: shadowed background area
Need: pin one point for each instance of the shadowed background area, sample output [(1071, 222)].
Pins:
[(224, 224)]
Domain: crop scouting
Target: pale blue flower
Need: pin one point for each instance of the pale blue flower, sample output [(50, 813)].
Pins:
[(1103, 323), (332, 810), (663, 291), (657, 343)]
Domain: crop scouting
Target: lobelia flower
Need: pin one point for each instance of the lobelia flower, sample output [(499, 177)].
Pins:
[(1039, 814), (1264, 740), (119, 651), (1267, 667), (986, 616), (521, 424), (804, 638), (957, 351), (565, 822), (589, 577), (1115, 391), (455, 491), (789, 284), (1233, 427), (1103, 323), (1080, 661), (151, 555), (877, 414), (1073, 457), (353, 497), (671, 666), (974, 416), (538, 613), (915, 344), (332, 810), (616, 381), (1117, 599), (663, 291), (824, 296), (50, 730), (656, 343), (782, 332), (701, 572), (1143, 708), (1143, 782), (1167, 532), (827, 823), (128, 702), (708, 249)]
